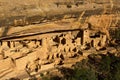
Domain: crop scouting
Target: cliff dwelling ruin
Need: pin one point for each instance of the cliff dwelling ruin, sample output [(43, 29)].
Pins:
[(39, 35)]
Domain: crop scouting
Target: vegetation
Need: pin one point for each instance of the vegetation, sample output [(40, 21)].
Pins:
[(115, 34), (96, 67)]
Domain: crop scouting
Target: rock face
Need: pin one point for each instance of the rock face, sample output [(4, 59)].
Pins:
[(34, 11), (40, 35)]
